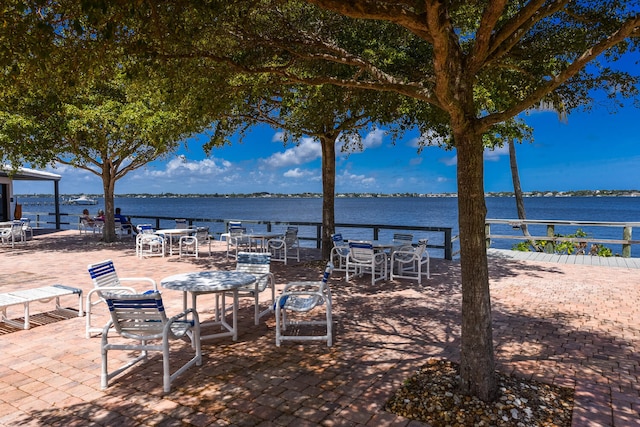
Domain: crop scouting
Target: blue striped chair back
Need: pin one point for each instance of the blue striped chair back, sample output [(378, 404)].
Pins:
[(103, 274)]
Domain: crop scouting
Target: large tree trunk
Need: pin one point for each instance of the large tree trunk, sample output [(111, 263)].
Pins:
[(108, 186), (477, 365), (328, 143)]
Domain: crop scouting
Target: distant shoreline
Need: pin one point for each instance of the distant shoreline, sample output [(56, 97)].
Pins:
[(579, 193)]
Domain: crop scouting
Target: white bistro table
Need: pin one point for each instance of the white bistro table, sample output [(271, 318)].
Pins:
[(392, 245), (263, 237), (208, 282), (169, 233)]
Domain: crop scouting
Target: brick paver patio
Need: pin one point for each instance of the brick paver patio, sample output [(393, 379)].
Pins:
[(568, 324)]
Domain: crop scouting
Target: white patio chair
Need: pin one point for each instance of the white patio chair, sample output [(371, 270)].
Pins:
[(150, 244), (230, 225), (85, 226), (302, 298), (238, 240), (141, 317), (405, 243), (286, 247), (13, 234), (181, 223), (191, 245), (363, 259), (119, 228), (145, 228), (411, 263), (339, 252), (27, 230), (104, 278), (403, 238), (258, 264)]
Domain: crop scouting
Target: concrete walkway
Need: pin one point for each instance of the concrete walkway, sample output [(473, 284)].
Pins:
[(567, 324)]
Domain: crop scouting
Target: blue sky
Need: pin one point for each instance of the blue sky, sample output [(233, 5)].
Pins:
[(595, 150)]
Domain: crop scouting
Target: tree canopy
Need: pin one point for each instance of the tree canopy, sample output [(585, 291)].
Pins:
[(473, 65), (467, 69)]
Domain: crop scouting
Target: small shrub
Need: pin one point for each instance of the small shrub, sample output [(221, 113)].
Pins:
[(521, 247)]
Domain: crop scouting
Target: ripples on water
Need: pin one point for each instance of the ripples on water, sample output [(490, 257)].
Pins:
[(432, 211)]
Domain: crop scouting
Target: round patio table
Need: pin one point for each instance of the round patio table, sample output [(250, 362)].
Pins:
[(208, 282)]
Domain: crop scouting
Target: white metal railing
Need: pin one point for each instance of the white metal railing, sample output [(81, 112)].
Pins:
[(626, 231)]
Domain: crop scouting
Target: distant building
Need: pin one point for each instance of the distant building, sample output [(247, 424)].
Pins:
[(7, 202)]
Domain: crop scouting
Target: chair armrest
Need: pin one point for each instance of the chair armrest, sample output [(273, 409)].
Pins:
[(262, 282), (167, 330), (381, 255), (105, 332), (140, 279), (184, 314), (275, 243), (109, 288), (292, 287), (403, 256)]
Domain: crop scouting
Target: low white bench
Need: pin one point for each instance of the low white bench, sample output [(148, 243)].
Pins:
[(43, 294)]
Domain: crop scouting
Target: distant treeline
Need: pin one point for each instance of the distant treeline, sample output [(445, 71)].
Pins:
[(577, 193)]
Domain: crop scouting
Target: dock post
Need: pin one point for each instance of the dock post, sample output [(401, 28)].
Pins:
[(549, 247), (626, 247)]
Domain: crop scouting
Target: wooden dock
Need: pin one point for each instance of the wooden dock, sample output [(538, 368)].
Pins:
[(619, 262)]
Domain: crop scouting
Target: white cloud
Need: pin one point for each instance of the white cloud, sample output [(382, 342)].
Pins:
[(495, 154), (181, 167), (373, 139), (353, 144), (450, 161), (429, 138), (297, 173), (349, 179), (278, 137), (415, 161), (307, 150)]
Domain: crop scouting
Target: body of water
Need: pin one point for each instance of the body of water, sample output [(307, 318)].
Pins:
[(432, 211)]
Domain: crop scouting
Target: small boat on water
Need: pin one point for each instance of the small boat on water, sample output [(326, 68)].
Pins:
[(83, 200)]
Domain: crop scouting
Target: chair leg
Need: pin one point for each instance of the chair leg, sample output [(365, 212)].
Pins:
[(329, 323), (278, 332), (166, 370)]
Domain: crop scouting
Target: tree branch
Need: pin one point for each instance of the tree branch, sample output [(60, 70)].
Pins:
[(490, 17), (520, 25), (402, 13), (630, 28)]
